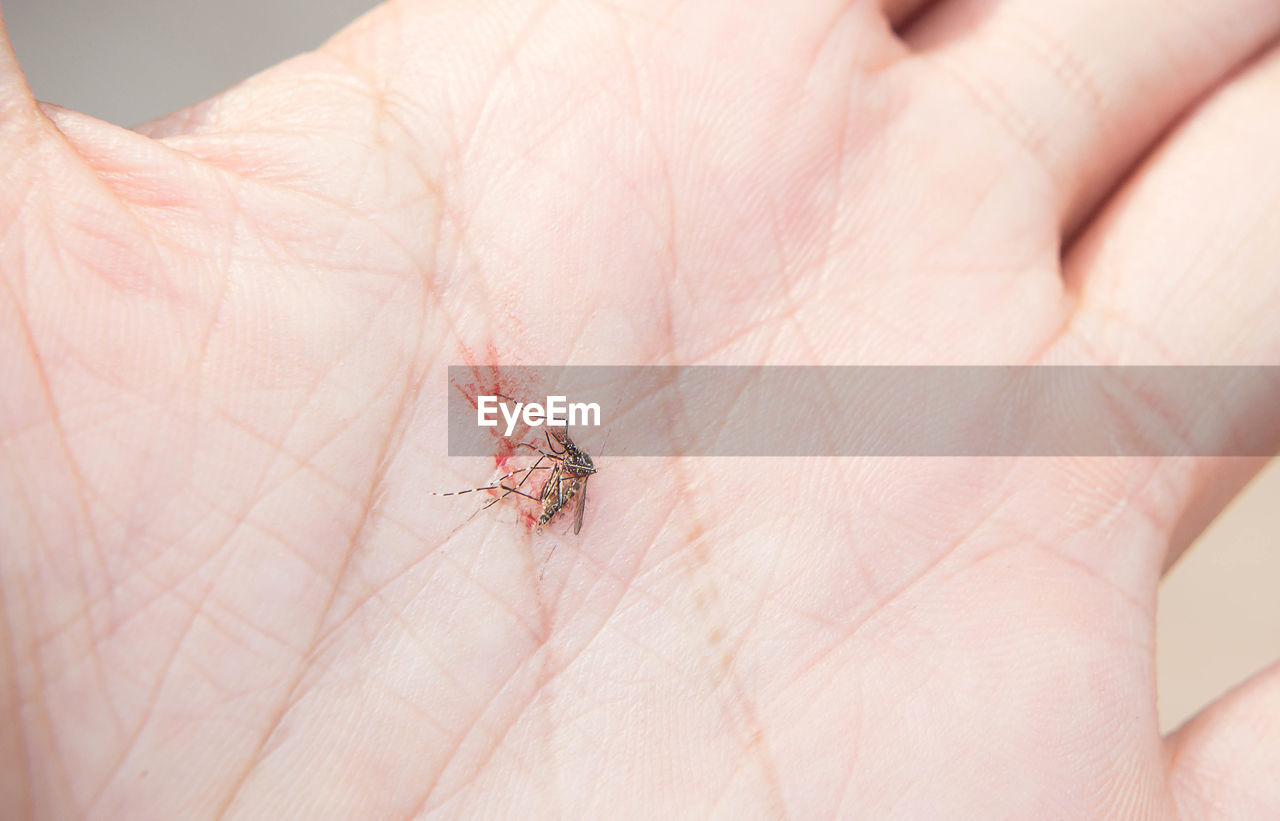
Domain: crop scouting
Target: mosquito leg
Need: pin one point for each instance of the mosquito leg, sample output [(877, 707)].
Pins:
[(536, 466), (509, 491), (563, 449), (516, 490), (553, 457), (496, 484)]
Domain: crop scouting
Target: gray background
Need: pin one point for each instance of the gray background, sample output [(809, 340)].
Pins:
[(131, 60)]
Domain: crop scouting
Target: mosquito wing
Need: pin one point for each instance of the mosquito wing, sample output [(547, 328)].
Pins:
[(582, 506), (551, 486)]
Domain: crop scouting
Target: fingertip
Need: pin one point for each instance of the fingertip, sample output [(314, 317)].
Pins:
[(1223, 760)]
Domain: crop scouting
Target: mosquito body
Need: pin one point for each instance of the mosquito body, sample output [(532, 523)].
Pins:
[(567, 484), (565, 487)]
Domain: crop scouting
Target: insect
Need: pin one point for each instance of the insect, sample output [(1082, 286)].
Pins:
[(567, 483), (566, 486)]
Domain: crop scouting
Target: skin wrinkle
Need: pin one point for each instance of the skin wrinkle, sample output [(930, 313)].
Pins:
[(636, 588), (318, 669), (158, 689), (710, 604), (668, 515), (853, 750), (433, 306), (667, 189), (1065, 560), (1110, 320), (643, 108), (199, 361), (853, 628), (413, 393), (103, 414), (81, 489), (417, 709), (184, 634), (1157, 535), (84, 619), (229, 177), (1081, 205), (329, 636), (135, 531), (757, 747), (300, 463), (275, 722), (550, 671), (169, 591), (415, 380), (59, 766), (122, 206), (999, 110), (1070, 72), (504, 64), (53, 633), (631, 62), (17, 176), (442, 670), (379, 475), (45, 389), (536, 632), (762, 760), (829, 241), (202, 356), (209, 609), (1111, 317), (1092, 209), (126, 749), (449, 758), (622, 11), (465, 260), (789, 310), (829, 35), (252, 187)]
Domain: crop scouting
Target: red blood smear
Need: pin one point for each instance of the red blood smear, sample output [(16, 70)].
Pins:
[(487, 380)]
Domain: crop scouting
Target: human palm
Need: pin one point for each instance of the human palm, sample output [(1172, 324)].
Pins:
[(228, 590)]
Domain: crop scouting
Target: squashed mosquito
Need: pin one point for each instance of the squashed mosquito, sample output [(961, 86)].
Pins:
[(565, 487)]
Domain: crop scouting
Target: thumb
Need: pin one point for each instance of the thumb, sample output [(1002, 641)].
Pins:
[(1224, 760)]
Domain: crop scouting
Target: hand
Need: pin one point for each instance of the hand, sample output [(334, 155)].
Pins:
[(228, 592)]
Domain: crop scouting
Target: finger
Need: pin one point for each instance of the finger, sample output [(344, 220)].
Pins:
[(1182, 269), (1083, 87), (1224, 760)]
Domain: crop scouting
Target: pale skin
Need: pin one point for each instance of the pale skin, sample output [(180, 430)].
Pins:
[(228, 592)]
